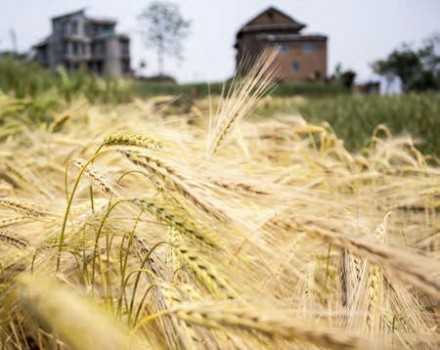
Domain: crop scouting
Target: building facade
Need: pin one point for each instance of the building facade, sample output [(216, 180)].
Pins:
[(78, 40), (299, 56)]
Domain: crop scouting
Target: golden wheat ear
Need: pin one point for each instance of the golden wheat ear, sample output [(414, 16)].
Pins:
[(80, 323), (242, 97)]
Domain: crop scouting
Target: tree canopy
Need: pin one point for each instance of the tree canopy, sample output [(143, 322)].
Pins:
[(417, 69), (164, 28)]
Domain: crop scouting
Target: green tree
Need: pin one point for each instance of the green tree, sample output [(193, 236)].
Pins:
[(417, 69), (164, 28), (345, 77)]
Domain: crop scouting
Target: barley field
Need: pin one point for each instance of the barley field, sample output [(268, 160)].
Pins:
[(125, 226)]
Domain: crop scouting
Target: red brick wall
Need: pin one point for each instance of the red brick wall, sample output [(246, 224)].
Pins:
[(308, 63)]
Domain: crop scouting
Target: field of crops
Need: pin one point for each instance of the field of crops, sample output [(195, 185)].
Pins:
[(129, 225)]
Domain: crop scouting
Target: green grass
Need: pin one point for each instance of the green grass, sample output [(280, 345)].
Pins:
[(40, 92), (26, 79), (202, 90), (354, 118)]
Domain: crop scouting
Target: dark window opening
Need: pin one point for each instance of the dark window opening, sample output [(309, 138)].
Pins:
[(296, 67), (66, 48), (75, 49), (64, 28), (125, 67), (74, 27)]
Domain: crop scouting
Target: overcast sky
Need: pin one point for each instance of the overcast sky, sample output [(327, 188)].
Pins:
[(359, 31)]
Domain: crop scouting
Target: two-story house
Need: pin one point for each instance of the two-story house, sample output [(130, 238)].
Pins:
[(78, 40), (299, 56)]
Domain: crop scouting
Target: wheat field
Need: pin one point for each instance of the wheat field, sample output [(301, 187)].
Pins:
[(122, 228)]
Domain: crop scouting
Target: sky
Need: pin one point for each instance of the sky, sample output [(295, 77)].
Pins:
[(359, 31)]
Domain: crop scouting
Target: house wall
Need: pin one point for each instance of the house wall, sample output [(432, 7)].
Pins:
[(248, 46), (65, 30), (113, 58), (310, 64), (297, 63), (77, 40)]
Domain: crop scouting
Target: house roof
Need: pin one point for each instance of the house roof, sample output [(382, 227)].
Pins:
[(42, 42), (77, 12), (102, 20), (291, 37), (260, 23), (266, 27), (82, 11)]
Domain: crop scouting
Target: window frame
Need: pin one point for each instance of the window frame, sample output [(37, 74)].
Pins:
[(282, 47), (309, 47)]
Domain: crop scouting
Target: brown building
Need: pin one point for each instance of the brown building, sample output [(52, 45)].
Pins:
[(299, 56)]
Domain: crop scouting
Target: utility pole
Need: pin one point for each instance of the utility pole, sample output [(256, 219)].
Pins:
[(13, 40)]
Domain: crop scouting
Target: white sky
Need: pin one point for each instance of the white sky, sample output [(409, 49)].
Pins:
[(359, 31)]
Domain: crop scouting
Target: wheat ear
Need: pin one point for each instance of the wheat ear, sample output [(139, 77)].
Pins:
[(242, 98), (287, 329), (166, 212), (76, 319), (171, 177), (13, 239), (132, 139), (28, 209), (95, 177)]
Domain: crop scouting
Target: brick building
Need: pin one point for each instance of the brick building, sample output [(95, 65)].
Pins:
[(299, 56), (78, 40)]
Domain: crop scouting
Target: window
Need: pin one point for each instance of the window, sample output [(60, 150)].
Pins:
[(75, 49), (309, 47), (86, 49), (282, 47), (125, 67), (74, 27), (125, 51), (66, 48), (64, 28), (296, 67)]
